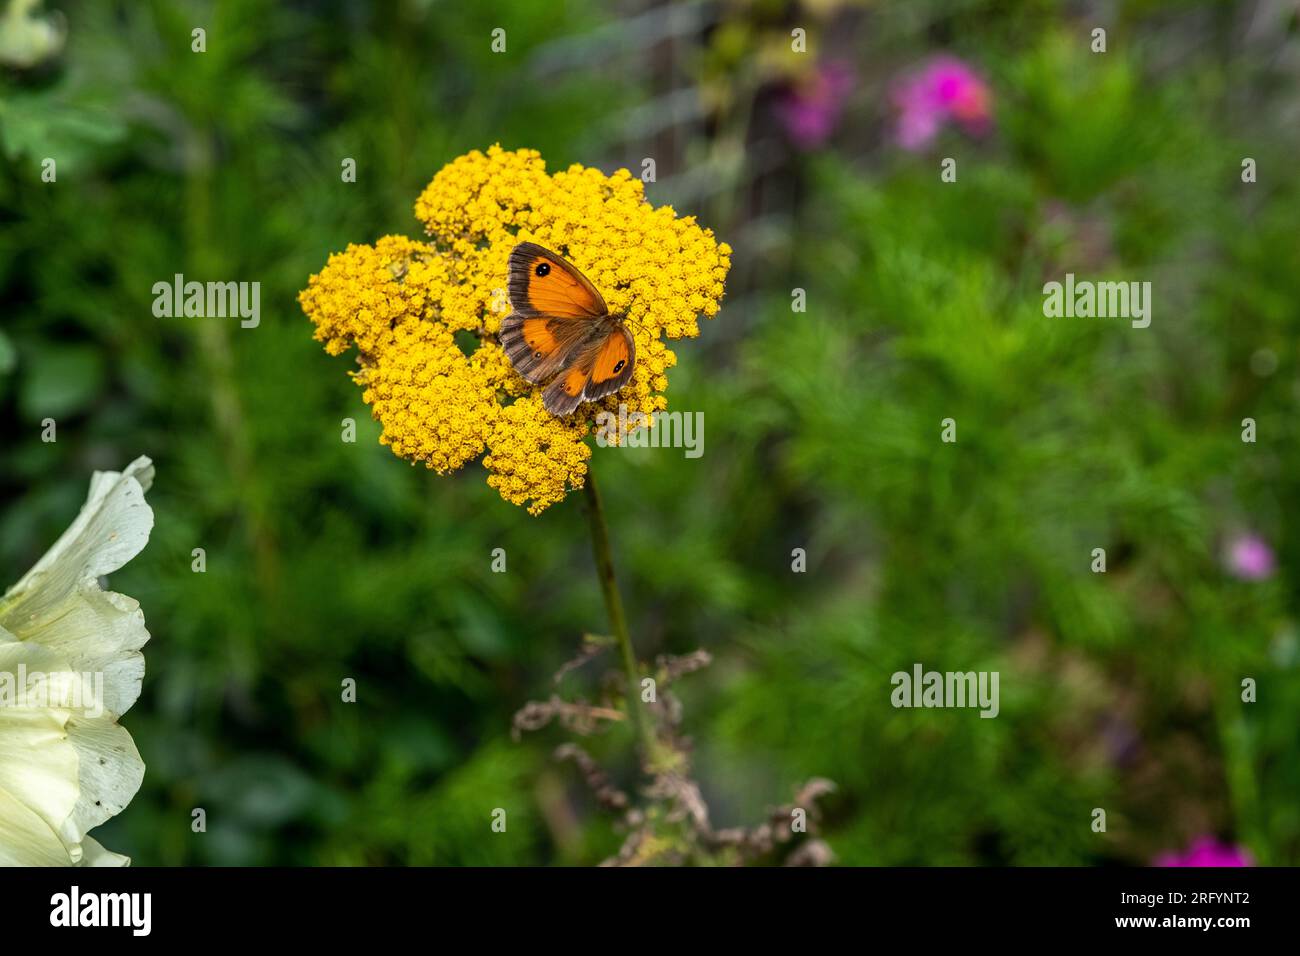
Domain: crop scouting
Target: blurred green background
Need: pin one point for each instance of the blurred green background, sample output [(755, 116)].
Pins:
[(329, 560)]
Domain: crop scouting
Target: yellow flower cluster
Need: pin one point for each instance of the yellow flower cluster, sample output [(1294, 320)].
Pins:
[(424, 316)]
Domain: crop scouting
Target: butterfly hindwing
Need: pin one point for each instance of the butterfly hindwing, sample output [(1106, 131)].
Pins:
[(538, 346), (564, 394)]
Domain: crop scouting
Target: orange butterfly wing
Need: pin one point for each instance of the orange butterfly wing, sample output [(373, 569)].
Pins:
[(539, 347), (542, 283), (603, 366), (613, 364)]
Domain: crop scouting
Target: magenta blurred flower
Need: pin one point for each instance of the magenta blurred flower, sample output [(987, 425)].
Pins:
[(811, 111), (1249, 557), (1206, 851), (945, 89)]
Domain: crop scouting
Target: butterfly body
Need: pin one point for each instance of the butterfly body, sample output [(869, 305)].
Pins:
[(562, 333)]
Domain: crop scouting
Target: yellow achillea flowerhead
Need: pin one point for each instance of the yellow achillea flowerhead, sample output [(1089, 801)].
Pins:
[(443, 398)]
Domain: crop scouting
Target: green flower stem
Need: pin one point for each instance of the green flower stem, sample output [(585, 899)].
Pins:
[(617, 619)]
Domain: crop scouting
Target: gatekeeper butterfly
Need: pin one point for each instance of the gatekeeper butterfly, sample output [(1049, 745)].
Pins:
[(561, 331)]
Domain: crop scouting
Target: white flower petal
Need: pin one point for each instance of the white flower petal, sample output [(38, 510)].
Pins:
[(38, 764), (59, 602), (26, 839), (109, 768), (65, 764)]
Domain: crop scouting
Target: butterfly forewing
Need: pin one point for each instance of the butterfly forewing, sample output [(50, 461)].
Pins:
[(612, 367), (601, 367), (542, 283)]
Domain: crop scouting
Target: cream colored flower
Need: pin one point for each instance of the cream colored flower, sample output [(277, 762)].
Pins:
[(27, 36), (70, 666)]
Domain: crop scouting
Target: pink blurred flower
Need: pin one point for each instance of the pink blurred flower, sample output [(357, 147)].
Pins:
[(944, 89), (1249, 557), (1206, 851), (811, 111)]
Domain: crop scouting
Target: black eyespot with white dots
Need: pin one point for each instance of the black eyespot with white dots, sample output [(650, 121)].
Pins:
[(543, 268), (619, 367)]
